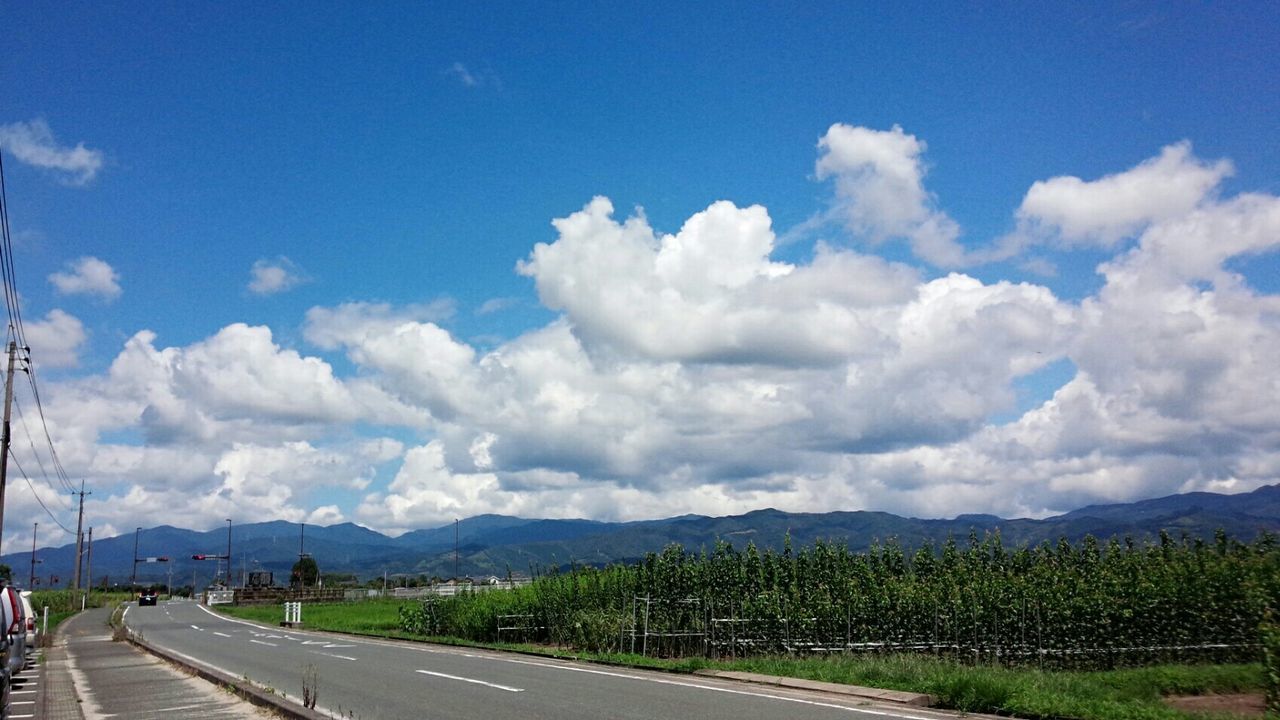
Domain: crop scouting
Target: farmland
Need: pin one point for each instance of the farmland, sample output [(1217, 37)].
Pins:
[(1086, 605)]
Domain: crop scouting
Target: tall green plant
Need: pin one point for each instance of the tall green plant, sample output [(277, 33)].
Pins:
[(1270, 631), (1088, 604)]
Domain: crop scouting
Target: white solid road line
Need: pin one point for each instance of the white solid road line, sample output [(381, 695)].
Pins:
[(472, 680)]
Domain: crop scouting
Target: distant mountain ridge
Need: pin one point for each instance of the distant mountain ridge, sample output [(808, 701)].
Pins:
[(498, 544)]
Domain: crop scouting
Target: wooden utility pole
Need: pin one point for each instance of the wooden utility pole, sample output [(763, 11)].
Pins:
[(4, 439)]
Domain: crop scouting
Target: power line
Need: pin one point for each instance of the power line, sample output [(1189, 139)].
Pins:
[(31, 441), (53, 453), (18, 335), (11, 297), (37, 495)]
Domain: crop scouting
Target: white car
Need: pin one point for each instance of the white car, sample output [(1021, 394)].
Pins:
[(33, 621)]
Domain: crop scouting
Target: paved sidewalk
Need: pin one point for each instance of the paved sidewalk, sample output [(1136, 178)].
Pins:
[(56, 696), (87, 676)]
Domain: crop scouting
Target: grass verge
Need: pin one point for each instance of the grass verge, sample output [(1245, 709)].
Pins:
[(1129, 694), (63, 604)]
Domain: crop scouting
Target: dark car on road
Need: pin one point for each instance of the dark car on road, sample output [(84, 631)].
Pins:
[(148, 597)]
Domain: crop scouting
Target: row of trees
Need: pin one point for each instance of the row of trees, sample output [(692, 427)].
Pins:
[(1079, 605)]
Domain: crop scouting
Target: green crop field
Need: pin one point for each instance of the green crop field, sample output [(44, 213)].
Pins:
[(1068, 630), (1082, 606)]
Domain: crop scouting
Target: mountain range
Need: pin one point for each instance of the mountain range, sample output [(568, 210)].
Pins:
[(497, 544)]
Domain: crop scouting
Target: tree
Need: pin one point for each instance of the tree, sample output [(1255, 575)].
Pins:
[(305, 572), (6, 574)]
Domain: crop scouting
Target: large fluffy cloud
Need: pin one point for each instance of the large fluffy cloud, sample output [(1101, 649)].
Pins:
[(694, 371), (694, 358), (56, 340), (879, 179), (231, 426), (1105, 210)]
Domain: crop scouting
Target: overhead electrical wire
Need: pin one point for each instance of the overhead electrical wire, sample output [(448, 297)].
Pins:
[(37, 495), (53, 452), (67, 487), (11, 297), (18, 335)]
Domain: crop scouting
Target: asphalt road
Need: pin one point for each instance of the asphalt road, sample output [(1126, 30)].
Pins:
[(368, 679)]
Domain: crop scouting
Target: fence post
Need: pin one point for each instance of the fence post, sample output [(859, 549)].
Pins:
[(646, 626)]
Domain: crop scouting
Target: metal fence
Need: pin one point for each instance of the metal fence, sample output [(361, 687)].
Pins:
[(689, 628)]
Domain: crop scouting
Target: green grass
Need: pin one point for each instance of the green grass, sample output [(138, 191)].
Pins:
[(1131, 694), (371, 617), (63, 604)]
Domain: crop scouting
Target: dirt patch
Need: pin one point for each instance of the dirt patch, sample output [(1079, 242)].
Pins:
[(1244, 704)]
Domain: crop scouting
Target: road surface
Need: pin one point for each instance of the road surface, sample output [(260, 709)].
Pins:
[(370, 679)]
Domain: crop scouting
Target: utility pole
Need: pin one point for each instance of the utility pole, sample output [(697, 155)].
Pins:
[(133, 579), (455, 550), (4, 438), (31, 583), (230, 582), (75, 577), (88, 573)]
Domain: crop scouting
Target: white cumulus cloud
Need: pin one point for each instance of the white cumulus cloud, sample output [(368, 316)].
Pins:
[(56, 340), (88, 276), (1103, 211), (879, 180)]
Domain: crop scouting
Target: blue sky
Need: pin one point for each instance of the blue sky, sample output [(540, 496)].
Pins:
[(400, 161)]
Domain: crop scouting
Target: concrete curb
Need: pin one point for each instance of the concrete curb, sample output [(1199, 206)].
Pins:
[(877, 694), (241, 687)]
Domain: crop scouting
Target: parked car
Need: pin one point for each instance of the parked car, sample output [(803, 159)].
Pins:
[(147, 597), (4, 677), (13, 620), (33, 622)]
